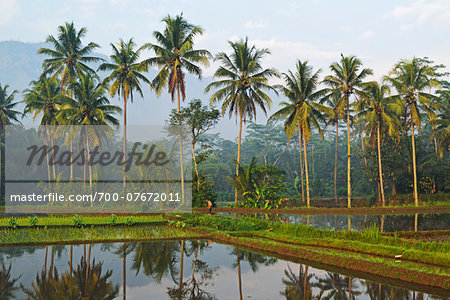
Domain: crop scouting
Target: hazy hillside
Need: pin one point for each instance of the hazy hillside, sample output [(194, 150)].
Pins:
[(20, 63)]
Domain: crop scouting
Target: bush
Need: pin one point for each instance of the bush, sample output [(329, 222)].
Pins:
[(32, 221), (77, 221), (13, 223)]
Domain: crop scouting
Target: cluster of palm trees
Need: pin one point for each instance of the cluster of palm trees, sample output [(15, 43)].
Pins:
[(70, 91)]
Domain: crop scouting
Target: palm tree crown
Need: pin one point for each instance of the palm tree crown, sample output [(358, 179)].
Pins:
[(7, 105), (244, 79), (174, 52), (68, 56)]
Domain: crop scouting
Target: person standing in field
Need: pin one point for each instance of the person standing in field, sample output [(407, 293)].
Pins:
[(209, 205)]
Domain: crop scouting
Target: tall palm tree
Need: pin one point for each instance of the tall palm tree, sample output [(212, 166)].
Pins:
[(89, 106), (411, 79), (346, 78), (126, 76), (175, 55), (8, 114), (335, 101), (377, 112), (241, 85), (303, 111), (45, 98), (68, 57)]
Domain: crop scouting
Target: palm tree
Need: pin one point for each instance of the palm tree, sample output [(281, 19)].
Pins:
[(410, 78), (126, 76), (241, 84), (346, 79), (302, 111), (89, 106), (7, 283), (338, 105), (377, 113), (7, 116), (174, 56), (68, 56), (45, 98)]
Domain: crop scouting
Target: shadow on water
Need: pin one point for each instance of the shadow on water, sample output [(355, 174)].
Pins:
[(191, 269)]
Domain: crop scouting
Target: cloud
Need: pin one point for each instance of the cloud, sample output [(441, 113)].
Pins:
[(422, 12), (8, 9), (368, 34), (252, 24)]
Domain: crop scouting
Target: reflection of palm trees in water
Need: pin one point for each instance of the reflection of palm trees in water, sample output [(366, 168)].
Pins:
[(337, 287), (377, 291), (7, 284), (86, 281), (297, 286), (193, 288), (253, 260)]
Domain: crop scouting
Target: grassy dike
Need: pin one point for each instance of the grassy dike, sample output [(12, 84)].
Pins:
[(44, 230), (425, 263)]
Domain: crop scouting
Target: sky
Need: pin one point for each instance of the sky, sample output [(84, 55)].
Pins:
[(380, 32)]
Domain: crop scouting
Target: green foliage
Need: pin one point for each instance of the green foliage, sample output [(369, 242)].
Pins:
[(113, 219), (202, 190), (228, 223), (129, 221), (13, 223), (260, 186), (33, 221), (77, 221)]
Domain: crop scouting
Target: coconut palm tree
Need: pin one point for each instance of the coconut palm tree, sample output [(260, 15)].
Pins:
[(242, 80), (69, 57), (377, 112), (8, 115), (411, 79), (175, 55), (302, 111), (46, 99), (335, 101), (89, 106), (126, 76), (346, 79)]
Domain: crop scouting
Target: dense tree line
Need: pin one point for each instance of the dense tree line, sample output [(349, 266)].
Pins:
[(396, 130)]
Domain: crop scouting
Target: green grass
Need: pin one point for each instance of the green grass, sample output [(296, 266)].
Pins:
[(89, 234), (370, 241), (65, 220)]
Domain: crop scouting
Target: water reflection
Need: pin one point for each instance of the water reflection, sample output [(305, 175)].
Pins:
[(197, 269), (386, 223)]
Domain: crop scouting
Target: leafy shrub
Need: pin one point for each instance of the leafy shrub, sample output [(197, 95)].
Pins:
[(77, 221), (113, 219), (129, 221), (33, 221), (13, 223)]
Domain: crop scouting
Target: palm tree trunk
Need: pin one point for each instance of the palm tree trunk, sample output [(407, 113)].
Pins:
[(89, 166), (416, 197), (45, 260), (305, 278), (306, 170), (379, 166), (124, 141), (195, 259), (71, 258), (239, 273), (51, 262), (195, 166), (349, 187), (181, 267), (363, 148), (301, 159), (238, 157), (2, 163), (335, 164), (124, 272), (181, 145)]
